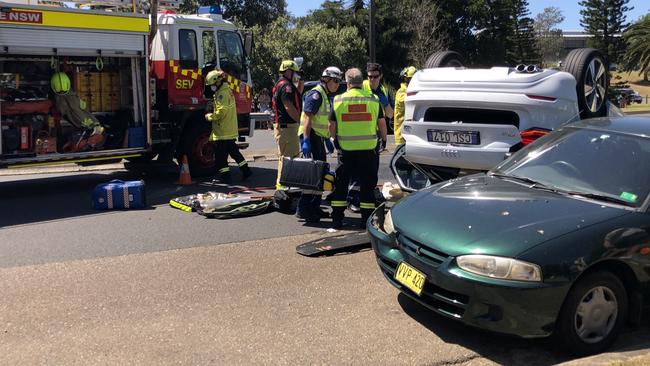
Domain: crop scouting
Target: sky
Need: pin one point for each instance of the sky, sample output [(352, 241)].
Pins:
[(570, 9)]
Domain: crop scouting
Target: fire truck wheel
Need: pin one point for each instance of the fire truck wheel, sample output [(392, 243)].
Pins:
[(199, 150)]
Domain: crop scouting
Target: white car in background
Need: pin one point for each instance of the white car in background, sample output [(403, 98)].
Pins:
[(461, 120)]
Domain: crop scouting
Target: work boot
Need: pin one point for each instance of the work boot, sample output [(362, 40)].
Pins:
[(309, 217), (246, 172), (337, 217), (365, 215), (225, 178), (312, 219), (323, 214)]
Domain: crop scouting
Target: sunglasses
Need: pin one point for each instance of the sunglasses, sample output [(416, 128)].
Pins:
[(374, 76)]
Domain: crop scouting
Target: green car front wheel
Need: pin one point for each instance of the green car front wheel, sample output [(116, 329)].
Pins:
[(593, 313)]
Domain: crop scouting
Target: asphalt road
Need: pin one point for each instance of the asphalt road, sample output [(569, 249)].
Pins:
[(49, 217), (161, 286)]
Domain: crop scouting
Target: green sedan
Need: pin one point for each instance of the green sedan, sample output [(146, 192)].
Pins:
[(553, 241)]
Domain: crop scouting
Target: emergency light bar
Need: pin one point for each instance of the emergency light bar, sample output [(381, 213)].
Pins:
[(210, 10)]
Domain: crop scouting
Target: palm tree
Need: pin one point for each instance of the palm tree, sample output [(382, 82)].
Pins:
[(356, 6), (637, 55)]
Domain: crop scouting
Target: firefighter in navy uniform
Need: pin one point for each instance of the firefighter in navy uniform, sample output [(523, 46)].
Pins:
[(224, 127), (314, 129), (355, 118), (286, 106)]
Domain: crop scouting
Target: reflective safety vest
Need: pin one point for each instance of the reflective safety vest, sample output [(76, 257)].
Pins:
[(356, 113), (320, 120), (366, 87)]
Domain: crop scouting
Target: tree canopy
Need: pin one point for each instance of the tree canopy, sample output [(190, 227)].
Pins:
[(549, 37), (605, 20), (637, 55), (319, 46), (485, 32), (246, 12), (524, 47)]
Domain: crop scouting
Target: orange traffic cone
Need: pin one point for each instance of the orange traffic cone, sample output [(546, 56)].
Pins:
[(185, 179)]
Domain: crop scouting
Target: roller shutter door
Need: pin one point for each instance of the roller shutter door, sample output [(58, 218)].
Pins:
[(70, 42)]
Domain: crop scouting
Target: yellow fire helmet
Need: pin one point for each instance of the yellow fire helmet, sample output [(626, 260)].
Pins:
[(289, 65), (408, 72), (60, 83), (213, 76)]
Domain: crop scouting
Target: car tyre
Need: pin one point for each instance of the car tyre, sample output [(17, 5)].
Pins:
[(587, 65), (198, 148), (593, 314), (444, 59)]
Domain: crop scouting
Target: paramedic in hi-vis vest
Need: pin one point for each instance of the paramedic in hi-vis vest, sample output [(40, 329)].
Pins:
[(286, 106), (224, 127), (355, 118), (316, 108), (373, 84), (400, 97)]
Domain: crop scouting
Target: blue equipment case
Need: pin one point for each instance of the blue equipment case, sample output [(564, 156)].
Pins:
[(118, 194)]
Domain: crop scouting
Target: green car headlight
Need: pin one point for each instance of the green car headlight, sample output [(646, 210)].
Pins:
[(500, 267), (388, 224)]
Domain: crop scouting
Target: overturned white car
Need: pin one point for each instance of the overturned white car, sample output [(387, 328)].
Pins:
[(461, 120)]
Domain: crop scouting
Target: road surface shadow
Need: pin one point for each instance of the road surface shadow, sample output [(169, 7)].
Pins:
[(504, 349), (32, 199)]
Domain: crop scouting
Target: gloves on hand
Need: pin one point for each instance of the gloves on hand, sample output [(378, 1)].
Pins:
[(305, 147), (329, 146), (383, 145), (383, 100)]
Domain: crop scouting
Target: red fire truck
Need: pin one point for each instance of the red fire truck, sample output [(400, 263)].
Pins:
[(147, 95)]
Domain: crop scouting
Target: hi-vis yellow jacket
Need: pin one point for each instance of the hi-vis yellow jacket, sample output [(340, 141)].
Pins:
[(400, 96), (224, 116)]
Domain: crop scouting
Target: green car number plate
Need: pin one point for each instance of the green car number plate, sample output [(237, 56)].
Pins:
[(410, 277)]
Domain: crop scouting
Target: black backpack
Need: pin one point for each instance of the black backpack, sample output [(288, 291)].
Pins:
[(286, 200)]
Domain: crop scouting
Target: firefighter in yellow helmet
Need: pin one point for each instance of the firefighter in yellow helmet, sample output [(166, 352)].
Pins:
[(224, 127), (287, 107), (400, 96)]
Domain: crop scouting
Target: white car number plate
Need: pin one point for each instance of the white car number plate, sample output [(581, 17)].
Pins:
[(454, 137)]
